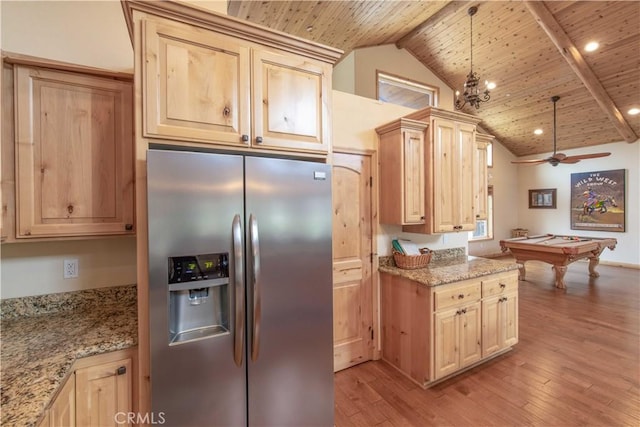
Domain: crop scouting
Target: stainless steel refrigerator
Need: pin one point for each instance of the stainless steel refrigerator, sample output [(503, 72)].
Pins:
[(240, 290)]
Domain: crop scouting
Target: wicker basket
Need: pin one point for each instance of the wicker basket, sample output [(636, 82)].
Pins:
[(412, 262)]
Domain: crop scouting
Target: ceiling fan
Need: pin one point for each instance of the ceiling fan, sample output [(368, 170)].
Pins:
[(557, 158)]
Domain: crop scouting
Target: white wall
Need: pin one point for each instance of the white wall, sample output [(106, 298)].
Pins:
[(92, 33), (36, 268), (557, 221), (357, 72)]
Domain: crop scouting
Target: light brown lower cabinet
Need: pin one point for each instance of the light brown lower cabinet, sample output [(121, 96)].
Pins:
[(99, 392), (63, 410), (432, 333)]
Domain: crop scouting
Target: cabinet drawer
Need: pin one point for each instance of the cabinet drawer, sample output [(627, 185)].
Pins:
[(450, 296), (499, 284)]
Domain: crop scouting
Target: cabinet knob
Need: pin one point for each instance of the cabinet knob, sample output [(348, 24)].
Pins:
[(226, 111), (460, 296), (258, 140), (502, 285), (70, 209), (121, 370), (245, 138), (128, 227)]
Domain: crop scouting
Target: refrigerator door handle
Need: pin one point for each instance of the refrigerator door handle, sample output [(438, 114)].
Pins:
[(255, 266), (238, 284)]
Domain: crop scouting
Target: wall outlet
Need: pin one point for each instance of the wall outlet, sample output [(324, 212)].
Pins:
[(70, 267)]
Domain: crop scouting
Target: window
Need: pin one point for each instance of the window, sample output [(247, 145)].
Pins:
[(484, 227), (401, 91)]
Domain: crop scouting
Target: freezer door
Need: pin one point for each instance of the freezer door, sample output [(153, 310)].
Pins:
[(288, 240), (199, 379)]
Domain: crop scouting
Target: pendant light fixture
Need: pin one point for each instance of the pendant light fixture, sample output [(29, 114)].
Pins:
[(472, 94)]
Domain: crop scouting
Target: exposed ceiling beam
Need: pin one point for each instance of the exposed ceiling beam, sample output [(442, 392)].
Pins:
[(446, 10), (579, 66)]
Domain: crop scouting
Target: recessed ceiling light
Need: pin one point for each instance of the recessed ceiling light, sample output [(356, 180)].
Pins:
[(634, 111), (538, 131), (490, 85), (591, 46), (310, 28)]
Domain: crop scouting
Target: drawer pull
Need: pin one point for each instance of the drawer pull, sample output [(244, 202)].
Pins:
[(121, 370), (460, 296), (502, 285)]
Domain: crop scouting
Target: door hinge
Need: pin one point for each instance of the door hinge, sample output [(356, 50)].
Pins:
[(371, 181), (371, 257), (371, 334)]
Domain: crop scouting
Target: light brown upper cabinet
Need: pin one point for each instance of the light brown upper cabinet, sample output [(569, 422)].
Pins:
[(202, 86), (450, 181), (481, 174), (402, 173), (74, 154)]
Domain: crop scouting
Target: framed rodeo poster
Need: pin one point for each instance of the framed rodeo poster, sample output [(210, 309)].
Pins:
[(597, 200)]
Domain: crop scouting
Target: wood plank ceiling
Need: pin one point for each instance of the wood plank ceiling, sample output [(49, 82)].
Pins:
[(531, 50)]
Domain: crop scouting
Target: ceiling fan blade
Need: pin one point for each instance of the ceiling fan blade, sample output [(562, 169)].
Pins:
[(569, 160), (530, 162), (585, 156)]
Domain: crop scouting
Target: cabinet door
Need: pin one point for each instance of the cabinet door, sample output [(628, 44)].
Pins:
[(413, 176), (480, 174), (446, 340), (74, 154), (291, 102), (62, 412), (445, 164), (499, 323), (491, 330), (464, 185), (195, 85), (102, 391), (509, 322), (470, 334)]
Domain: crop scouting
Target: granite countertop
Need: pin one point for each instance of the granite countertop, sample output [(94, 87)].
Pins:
[(42, 336), (443, 270)]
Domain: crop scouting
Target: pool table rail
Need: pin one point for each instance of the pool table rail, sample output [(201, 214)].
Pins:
[(557, 250)]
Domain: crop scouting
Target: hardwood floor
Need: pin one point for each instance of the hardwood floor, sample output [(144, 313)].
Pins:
[(577, 363)]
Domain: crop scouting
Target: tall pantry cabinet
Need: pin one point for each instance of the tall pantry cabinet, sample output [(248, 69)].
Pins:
[(210, 81)]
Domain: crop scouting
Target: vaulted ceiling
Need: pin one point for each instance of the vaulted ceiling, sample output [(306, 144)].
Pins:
[(532, 50)]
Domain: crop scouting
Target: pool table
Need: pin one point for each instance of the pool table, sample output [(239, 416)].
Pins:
[(558, 251)]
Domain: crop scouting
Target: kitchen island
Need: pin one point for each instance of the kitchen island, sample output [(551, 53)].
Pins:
[(448, 317), (43, 336)]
